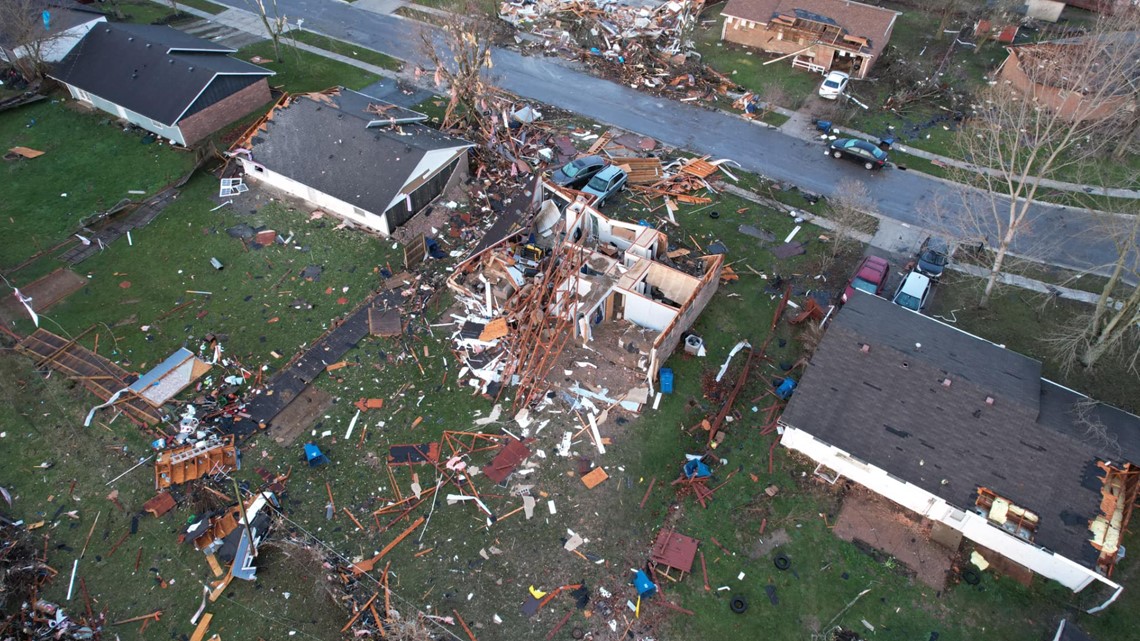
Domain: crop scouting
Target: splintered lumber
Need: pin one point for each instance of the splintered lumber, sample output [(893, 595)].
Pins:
[(361, 610), (203, 626), (187, 463), (366, 566), (558, 626), (647, 491), (470, 634)]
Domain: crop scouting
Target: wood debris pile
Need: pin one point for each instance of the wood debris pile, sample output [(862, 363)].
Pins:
[(645, 45)]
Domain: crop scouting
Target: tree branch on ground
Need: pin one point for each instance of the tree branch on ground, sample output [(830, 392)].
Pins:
[(1021, 135)]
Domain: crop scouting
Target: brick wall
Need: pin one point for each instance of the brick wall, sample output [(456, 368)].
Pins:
[(221, 113), (758, 36), (1068, 103)]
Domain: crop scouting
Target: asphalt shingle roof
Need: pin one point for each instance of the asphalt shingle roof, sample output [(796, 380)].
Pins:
[(323, 141), (155, 71), (889, 408)]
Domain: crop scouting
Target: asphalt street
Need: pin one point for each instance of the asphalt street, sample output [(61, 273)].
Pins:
[(1058, 235)]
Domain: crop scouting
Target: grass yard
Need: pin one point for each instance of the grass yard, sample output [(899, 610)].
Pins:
[(346, 49), (89, 164), (211, 8), (302, 71), (252, 300), (746, 66), (146, 12)]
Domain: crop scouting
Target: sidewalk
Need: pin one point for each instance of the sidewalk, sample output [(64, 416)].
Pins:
[(901, 238), (800, 126), (886, 239)]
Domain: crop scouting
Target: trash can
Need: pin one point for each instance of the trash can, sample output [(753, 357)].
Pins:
[(693, 344), (666, 375)]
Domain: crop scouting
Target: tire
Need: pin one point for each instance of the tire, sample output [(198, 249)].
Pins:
[(782, 562), (869, 165), (971, 576), (738, 605), (837, 154)]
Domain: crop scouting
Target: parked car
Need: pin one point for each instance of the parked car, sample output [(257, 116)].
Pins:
[(913, 292), (870, 277), (933, 257), (834, 84), (576, 173), (861, 151), (606, 183)]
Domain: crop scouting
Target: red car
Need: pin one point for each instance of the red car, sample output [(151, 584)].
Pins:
[(870, 277)]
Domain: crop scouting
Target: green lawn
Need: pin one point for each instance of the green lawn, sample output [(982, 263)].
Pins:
[(204, 5), (746, 66), (302, 71), (347, 49), (171, 256), (145, 11), (89, 165)]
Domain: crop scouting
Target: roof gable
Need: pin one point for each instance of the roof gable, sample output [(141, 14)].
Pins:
[(155, 71), (331, 142)]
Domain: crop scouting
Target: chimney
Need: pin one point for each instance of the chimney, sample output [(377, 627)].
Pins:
[(946, 382), (989, 400), (865, 348)]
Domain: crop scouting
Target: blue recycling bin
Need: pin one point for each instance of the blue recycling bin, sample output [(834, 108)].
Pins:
[(314, 455), (645, 588), (666, 375)]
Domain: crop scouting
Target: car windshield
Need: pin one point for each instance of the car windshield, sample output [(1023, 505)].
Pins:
[(933, 257), (863, 285), (572, 169), (599, 183), (907, 301)]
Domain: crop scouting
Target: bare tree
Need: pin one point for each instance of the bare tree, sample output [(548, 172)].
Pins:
[(276, 24), (31, 35), (459, 58), (851, 213), (1044, 113)]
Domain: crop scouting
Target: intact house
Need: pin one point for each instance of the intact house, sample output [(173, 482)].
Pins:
[(819, 35), (1056, 75), (568, 289), (165, 81), (355, 156), (49, 32), (969, 435)]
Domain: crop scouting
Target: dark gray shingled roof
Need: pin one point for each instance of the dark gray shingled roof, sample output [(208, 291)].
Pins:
[(155, 71), (889, 408), (323, 141)]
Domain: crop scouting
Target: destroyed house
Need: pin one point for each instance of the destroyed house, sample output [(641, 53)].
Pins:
[(367, 161), (967, 434), (575, 276), (1056, 75), (818, 35), (170, 83)]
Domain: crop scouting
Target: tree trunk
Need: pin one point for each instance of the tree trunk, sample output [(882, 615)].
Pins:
[(1114, 330), (999, 262)]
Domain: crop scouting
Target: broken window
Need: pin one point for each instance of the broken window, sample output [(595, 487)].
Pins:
[(1003, 513)]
